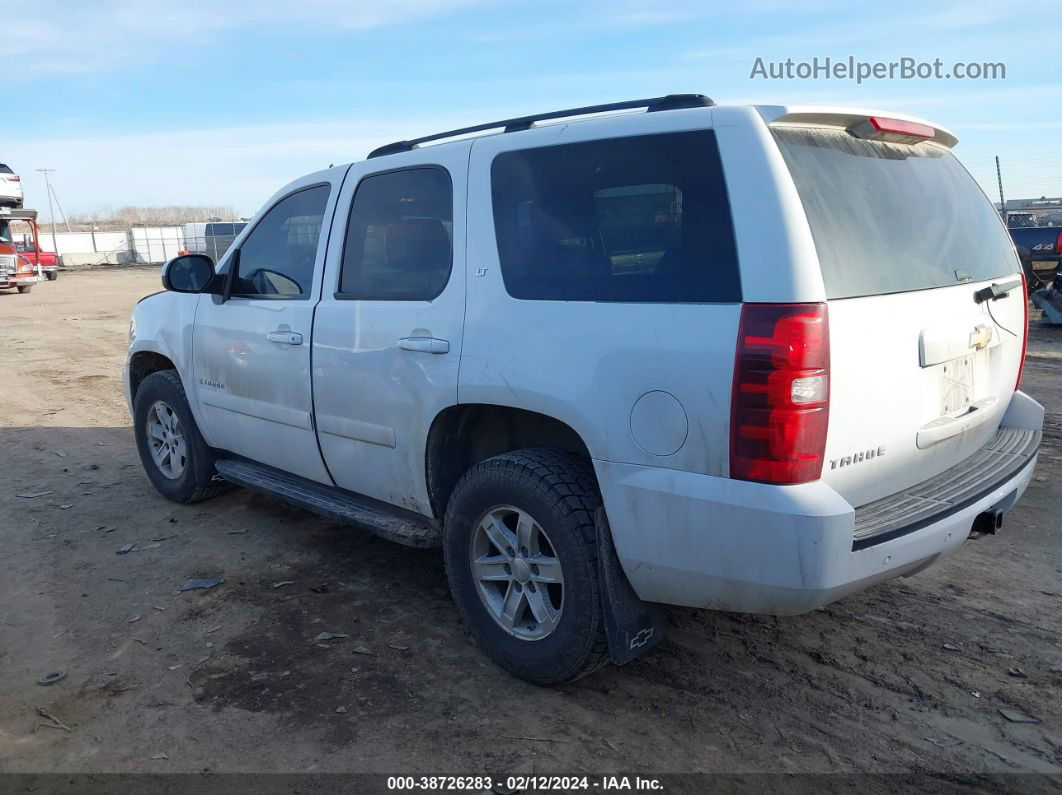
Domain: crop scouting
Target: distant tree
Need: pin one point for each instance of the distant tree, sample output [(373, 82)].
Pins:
[(169, 215)]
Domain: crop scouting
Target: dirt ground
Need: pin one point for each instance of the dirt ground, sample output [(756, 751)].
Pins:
[(909, 676)]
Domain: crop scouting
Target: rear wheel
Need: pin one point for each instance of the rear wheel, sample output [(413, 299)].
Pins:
[(521, 556), (51, 276), (25, 288), (176, 459)]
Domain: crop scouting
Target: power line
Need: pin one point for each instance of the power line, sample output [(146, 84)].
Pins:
[(60, 207), (51, 212)]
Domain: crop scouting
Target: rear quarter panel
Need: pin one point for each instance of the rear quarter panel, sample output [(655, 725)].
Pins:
[(589, 363)]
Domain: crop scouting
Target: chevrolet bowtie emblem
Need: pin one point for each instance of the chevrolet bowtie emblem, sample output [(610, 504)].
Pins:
[(980, 337)]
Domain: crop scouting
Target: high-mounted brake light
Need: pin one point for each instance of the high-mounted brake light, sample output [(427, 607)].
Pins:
[(879, 128), (1025, 327), (779, 407), (901, 127)]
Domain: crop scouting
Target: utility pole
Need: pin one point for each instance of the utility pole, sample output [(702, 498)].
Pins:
[(1002, 202), (51, 212), (59, 207)]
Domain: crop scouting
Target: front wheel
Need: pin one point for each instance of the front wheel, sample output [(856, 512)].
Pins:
[(25, 288), (176, 459), (51, 276), (521, 556)]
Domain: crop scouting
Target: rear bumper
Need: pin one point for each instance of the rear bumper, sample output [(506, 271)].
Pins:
[(701, 541)]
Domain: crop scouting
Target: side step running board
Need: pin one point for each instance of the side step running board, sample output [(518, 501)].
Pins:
[(393, 524)]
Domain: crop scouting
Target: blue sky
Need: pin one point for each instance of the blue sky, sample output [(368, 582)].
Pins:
[(220, 103)]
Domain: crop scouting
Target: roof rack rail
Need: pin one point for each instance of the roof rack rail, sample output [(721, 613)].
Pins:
[(669, 102)]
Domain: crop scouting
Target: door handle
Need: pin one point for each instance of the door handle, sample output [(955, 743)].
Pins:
[(424, 344), (285, 337)]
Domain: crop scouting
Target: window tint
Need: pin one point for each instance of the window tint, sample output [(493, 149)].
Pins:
[(277, 258), (636, 219), (5, 170), (218, 230), (399, 236), (889, 217)]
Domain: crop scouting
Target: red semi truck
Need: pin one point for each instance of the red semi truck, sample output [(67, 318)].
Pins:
[(22, 263)]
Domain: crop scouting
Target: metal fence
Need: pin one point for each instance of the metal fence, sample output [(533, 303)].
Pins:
[(134, 245)]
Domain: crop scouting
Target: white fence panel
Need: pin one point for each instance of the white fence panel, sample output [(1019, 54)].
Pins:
[(157, 243), (144, 244), (83, 242)]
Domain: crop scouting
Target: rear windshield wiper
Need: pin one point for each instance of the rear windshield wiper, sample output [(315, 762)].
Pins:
[(995, 291)]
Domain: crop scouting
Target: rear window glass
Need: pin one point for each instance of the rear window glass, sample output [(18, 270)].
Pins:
[(639, 219), (890, 218), (5, 170)]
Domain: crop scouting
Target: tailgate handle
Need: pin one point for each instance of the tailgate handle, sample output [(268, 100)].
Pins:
[(946, 427)]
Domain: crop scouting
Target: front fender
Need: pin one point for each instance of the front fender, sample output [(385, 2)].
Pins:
[(163, 324)]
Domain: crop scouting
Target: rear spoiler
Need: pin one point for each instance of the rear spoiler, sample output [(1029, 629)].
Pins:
[(857, 122)]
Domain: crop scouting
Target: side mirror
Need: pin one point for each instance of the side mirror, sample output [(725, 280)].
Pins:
[(189, 273)]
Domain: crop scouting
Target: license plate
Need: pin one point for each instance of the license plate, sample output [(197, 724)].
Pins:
[(956, 385)]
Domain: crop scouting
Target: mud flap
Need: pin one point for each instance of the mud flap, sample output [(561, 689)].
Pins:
[(632, 626)]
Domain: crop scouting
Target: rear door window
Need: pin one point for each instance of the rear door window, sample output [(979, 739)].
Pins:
[(638, 219), (889, 218), (398, 245)]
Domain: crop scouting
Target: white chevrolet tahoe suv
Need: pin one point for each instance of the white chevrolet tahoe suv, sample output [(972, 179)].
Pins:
[(737, 358)]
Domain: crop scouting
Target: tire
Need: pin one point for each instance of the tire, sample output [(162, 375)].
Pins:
[(51, 276), (558, 493), (189, 476), (25, 289)]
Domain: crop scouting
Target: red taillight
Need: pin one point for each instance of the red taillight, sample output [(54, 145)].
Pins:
[(779, 408), (1058, 244), (1025, 327), (13, 178)]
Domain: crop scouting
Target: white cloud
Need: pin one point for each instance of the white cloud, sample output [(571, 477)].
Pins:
[(57, 36)]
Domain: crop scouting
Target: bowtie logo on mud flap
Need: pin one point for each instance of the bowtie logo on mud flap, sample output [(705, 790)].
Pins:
[(643, 637)]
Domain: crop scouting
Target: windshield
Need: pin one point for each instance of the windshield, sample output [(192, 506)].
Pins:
[(890, 218)]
